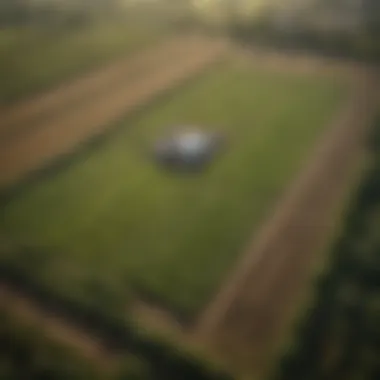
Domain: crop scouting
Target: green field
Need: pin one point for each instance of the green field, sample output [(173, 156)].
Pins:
[(33, 59), (115, 217)]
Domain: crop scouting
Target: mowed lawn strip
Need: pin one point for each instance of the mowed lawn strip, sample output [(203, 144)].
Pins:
[(116, 216)]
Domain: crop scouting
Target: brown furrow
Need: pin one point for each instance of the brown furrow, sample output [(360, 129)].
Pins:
[(51, 139), (22, 115)]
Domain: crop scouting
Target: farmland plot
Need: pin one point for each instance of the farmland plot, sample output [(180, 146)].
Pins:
[(115, 217)]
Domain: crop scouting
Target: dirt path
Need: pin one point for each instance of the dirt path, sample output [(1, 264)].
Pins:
[(249, 311), (59, 136), (31, 111)]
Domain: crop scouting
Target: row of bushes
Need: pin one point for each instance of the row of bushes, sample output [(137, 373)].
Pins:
[(27, 353), (340, 337), (365, 46), (20, 13)]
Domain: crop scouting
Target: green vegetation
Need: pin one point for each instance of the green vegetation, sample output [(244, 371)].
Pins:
[(333, 28), (27, 350), (26, 353), (33, 58), (340, 338), (112, 223), (361, 47)]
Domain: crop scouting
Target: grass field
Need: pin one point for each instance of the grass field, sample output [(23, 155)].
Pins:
[(32, 59), (114, 216)]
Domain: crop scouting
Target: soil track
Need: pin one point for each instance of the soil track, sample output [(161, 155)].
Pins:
[(253, 305), (29, 112), (61, 134)]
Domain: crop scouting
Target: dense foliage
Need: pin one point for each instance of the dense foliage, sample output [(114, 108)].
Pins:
[(26, 353), (340, 338), (363, 47), (325, 27)]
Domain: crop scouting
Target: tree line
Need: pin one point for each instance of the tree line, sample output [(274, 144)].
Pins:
[(358, 37)]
